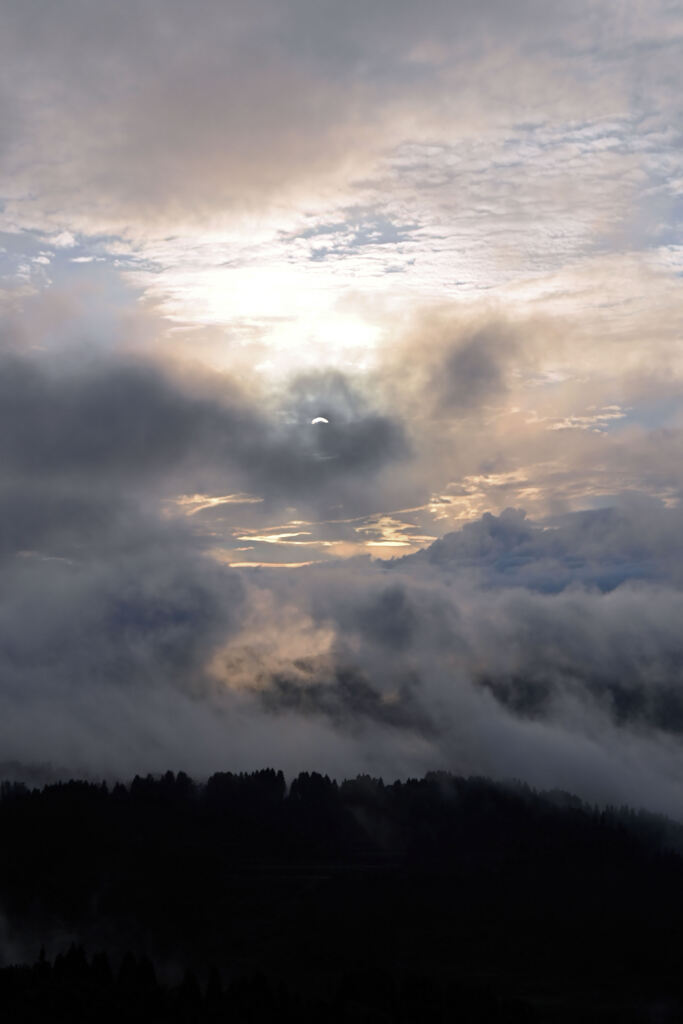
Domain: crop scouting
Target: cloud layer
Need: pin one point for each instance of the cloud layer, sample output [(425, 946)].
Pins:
[(314, 284), (149, 110), (548, 650)]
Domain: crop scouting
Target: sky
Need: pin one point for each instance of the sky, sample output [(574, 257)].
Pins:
[(341, 418)]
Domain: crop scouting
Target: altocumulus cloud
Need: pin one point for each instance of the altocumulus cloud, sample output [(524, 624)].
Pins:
[(274, 96)]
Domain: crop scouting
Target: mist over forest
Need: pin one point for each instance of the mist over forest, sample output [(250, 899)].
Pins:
[(247, 898)]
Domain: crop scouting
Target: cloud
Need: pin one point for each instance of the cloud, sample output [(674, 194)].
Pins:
[(261, 173), (145, 111), (101, 648), (462, 365), (511, 646), (549, 651), (112, 606), (348, 700), (471, 374), (600, 548), (127, 423)]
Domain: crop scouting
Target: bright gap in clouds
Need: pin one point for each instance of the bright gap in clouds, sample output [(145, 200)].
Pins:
[(274, 313)]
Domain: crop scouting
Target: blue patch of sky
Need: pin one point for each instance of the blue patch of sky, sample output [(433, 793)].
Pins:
[(18, 250), (85, 269), (360, 229), (652, 414)]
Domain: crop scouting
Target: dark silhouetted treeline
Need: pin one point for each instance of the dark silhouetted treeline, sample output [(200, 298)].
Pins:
[(76, 989), (240, 900)]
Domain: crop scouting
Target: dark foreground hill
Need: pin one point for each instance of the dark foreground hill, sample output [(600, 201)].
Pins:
[(438, 899)]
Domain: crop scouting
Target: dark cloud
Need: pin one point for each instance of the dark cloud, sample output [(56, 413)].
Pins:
[(127, 618), (112, 422), (462, 366), (105, 633), (356, 439), (390, 618), (472, 371), (657, 705), (107, 420), (601, 548), (349, 700), (582, 609), (111, 609)]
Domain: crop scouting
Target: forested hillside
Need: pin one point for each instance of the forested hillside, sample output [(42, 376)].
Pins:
[(244, 900)]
